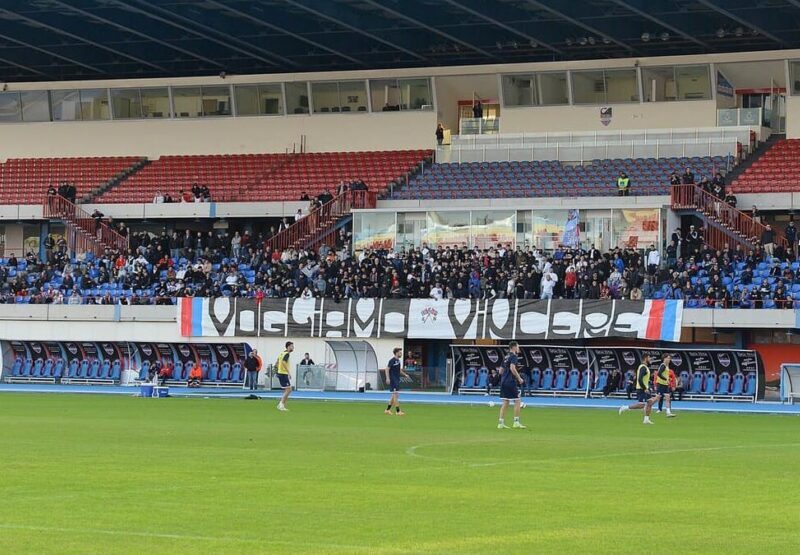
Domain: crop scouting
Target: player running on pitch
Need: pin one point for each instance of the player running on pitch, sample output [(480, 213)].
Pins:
[(283, 374), (663, 392), (510, 381), (393, 371), (643, 398)]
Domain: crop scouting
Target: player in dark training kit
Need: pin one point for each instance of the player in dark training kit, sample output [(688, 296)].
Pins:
[(643, 398), (393, 372), (510, 381)]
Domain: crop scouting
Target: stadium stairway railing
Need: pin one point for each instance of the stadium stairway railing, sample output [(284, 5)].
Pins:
[(725, 223), (317, 227), (85, 234)]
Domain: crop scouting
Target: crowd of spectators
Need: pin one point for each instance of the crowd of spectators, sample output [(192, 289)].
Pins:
[(160, 268), (198, 193)]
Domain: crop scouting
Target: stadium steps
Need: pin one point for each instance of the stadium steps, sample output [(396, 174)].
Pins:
[(94, 193), (401, 182), (725, 224), (320, 226), (84, 233)]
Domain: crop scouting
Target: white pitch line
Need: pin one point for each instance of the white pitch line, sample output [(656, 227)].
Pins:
[(189, 537), (413, 452)]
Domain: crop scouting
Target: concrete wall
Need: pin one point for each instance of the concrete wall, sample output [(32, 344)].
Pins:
[(155, 137), (695, 113)]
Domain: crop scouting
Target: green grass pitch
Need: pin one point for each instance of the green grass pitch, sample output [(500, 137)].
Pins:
[(97, 474)]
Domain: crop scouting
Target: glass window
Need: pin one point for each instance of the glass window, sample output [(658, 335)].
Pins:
[(246, 100), (637, 229), (552, 89), (794, 75), (186, 102), (588, 87), (155, 102), (519, 90), (524, 226), (216, 100), (126, 103), (390, 95), (552, 228), (410, 227), (694, 82), (541, 89), (35, 106), (94, 104), (670, 83), (373, 230), (9, 107), (447, 229), (297, 97), (621, 86), (66, 105), (602, 87), (492, 227), (326, 97), (416, 93), (255, 100), (353, 96)]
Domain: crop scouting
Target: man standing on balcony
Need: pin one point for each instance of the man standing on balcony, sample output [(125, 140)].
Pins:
[(768, 240), (623, 184)]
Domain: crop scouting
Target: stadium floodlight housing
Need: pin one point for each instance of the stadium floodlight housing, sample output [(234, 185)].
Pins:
[(646, 37)]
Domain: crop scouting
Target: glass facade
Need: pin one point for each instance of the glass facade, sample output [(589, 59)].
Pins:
[(542, 229), (259, 100), (605, 86), (539, 89), (374, 230), (392, 95), (671, 83)]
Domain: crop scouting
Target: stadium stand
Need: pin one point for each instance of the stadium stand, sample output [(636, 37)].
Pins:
[(264, 177), (775, 171), (702, 276), (25, 180), (648, 176)]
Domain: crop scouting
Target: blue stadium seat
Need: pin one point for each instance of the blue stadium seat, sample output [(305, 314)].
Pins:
[(602, 380), (144, 370), (738, 384), (561, 380), (177, 371), (16, 369), (94, 369), (547, 379), (213, 372), (724, 384), (116, 368), (483, 377), (58, 369), (105, 370), (573, 379), (536, 378), (686, 379), (750, 384), (83, 369), (237, 373), (697, 383), (469, 379), (74, 366), (36, 369), (711, 382), (47, 371), (225, 372)]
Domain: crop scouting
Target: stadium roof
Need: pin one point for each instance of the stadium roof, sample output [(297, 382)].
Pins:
[(101, 39)]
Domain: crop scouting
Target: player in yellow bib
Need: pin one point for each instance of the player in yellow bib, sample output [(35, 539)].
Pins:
[(282, 370), (643, 398)]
